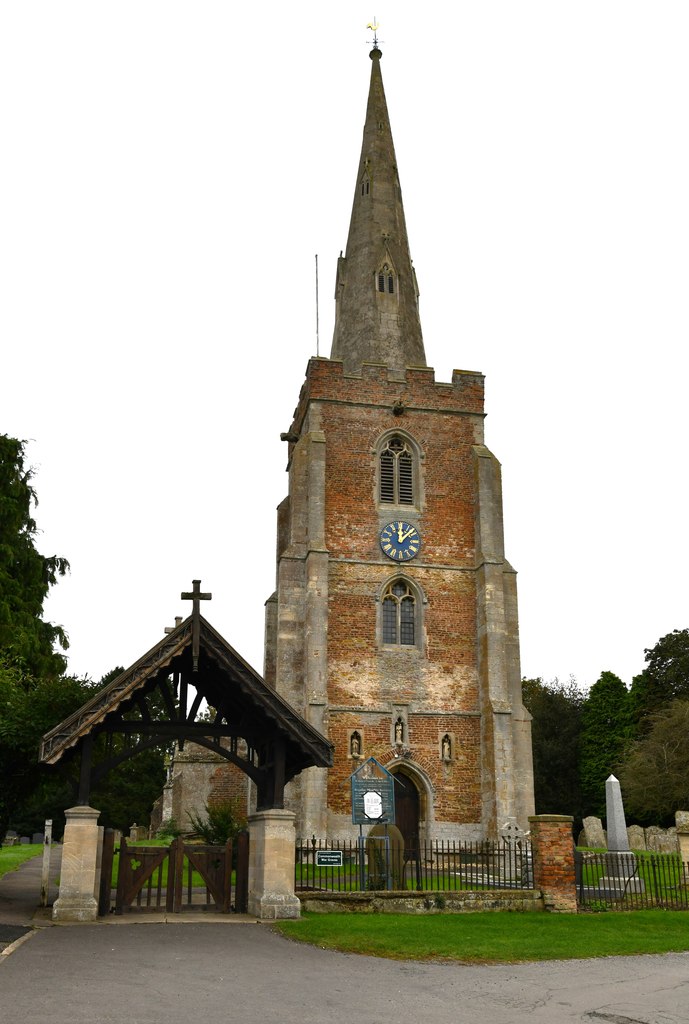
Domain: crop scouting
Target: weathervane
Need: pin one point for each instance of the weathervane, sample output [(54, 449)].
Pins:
[(374, 26)]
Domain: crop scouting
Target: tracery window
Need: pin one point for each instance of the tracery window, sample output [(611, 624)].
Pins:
[(399, 614), (397, 472)]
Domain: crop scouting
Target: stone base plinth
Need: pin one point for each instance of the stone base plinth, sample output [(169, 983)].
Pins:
[(76, 900), (619, 885), (273, 907), (272, 840)]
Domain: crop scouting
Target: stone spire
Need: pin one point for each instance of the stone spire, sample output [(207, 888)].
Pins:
[(376, 295)]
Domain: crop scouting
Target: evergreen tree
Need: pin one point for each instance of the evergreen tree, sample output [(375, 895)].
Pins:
[(33, 693), (604, 734), (556, 709), (26, 641)]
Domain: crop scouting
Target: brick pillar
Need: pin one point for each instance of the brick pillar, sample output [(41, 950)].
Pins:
[(553, 860)]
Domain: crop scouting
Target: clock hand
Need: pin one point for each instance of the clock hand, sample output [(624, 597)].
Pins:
[(407, 534), (400, 538)]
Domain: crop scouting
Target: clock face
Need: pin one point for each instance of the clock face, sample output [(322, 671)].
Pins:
[(400, 541)]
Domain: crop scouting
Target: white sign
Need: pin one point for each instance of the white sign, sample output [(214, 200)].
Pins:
[(373, 804)]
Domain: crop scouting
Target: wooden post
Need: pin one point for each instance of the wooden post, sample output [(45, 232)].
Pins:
[(107, 859), (241, 889), (85, 771)]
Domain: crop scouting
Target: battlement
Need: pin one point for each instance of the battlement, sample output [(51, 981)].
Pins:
[(377, 385)]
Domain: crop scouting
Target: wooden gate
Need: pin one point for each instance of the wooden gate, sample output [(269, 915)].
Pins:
[(175, 878)]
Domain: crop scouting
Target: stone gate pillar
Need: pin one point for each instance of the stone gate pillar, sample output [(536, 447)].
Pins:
[(272, 840), (77, 896), (553, 861)]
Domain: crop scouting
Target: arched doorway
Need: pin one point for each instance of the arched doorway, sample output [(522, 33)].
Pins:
[(407, 812)]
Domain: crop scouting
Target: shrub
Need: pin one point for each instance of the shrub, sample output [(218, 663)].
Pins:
[(224, 820), (169, 829)]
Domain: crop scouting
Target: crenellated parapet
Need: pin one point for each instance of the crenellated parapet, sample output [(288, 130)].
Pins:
[(415, 389)]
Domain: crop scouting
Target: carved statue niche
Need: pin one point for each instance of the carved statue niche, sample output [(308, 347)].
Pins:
[(446, 745), (399, 730), (355, 744)]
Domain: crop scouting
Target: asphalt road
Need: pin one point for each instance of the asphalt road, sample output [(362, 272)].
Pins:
[(169, 973), (130, 970)]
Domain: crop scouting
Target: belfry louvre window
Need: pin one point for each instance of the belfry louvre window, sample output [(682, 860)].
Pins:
[(399, 614), (397, 473), (386, 279)]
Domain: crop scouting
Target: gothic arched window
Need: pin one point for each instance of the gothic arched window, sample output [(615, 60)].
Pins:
[(386, 280), (399, 614), (397, 472)]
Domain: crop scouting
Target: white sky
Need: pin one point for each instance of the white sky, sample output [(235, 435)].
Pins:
[(169, 172)]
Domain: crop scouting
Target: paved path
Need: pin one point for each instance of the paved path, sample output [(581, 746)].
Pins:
[(165, 973)]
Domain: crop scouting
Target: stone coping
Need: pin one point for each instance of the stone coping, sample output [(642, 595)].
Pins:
[(426, 902)]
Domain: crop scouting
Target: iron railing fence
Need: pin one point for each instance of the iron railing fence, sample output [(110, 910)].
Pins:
[(444, 865), (631, 881)]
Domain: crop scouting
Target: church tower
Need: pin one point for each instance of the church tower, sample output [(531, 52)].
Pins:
[(393, 628)]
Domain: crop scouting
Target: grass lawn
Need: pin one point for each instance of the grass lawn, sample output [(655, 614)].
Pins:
[(12, 856), (495, 937)]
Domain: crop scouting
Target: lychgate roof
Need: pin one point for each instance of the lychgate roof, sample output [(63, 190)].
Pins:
[(159, 697)]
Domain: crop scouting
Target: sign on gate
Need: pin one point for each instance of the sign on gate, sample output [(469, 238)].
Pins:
[(329, 858)]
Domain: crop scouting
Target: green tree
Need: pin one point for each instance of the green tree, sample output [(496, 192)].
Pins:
[(34, 694), (665, 679), (26, 641), (604, 734), (556, 709), (654, 775), (29, 707)]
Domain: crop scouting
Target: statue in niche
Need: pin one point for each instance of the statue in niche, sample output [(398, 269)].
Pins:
[(355, 744), (399, 730), (447, 748)]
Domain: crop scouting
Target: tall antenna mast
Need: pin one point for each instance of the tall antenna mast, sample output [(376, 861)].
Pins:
[(317, 330)]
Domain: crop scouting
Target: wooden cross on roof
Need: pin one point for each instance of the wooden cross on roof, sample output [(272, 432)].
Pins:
[(195, 596)]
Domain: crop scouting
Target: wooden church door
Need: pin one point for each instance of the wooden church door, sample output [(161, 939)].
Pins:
[(407, 813)]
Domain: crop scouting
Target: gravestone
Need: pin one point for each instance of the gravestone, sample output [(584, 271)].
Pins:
[(38, 837), (25, 841), (661, 840), (636, 837), (385, 861), (615, 820), (595, 836), (622, 876)]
